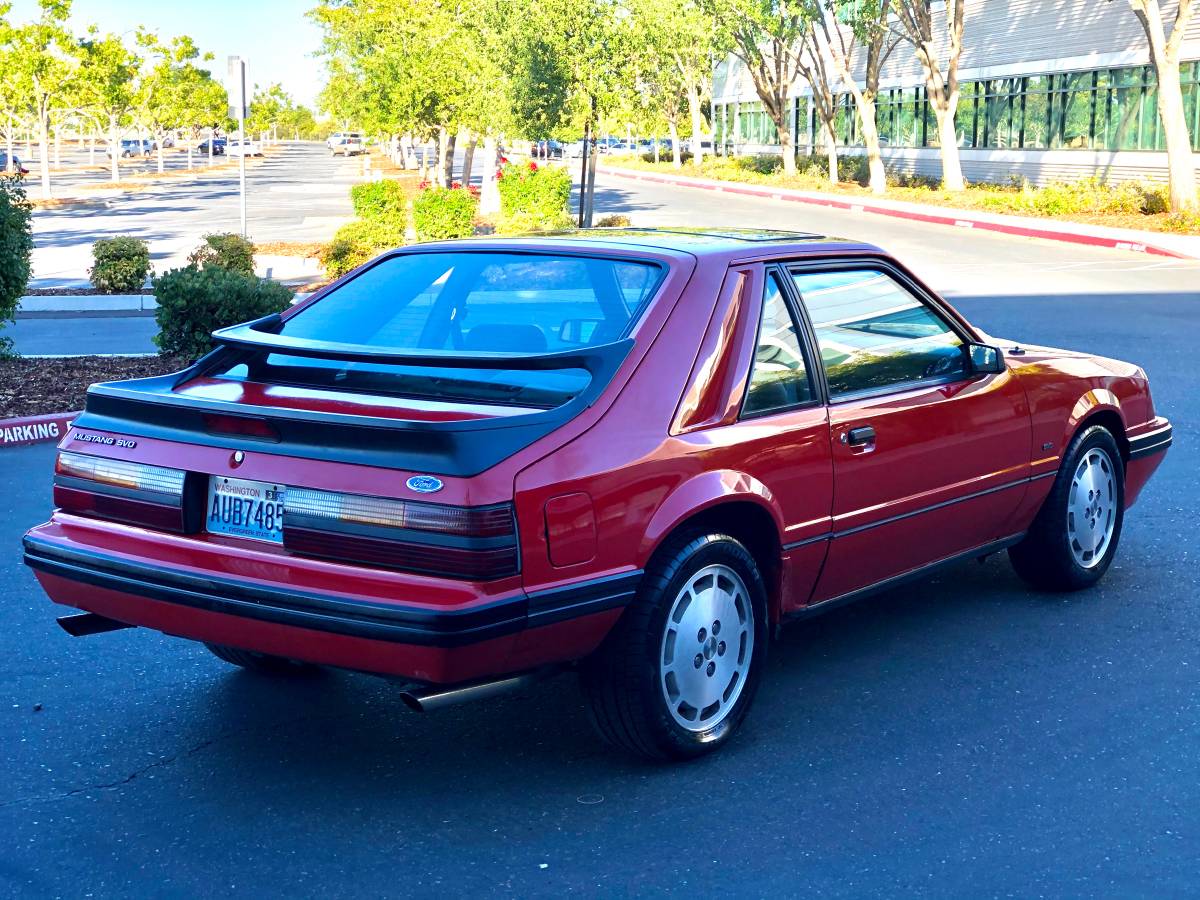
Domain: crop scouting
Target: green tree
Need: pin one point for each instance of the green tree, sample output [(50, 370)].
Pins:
[(108, 87), (174, 91), (1165, 52), (766, 36), (45, 65)]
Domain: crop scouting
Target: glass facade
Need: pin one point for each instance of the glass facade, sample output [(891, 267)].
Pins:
[(1102, 109)]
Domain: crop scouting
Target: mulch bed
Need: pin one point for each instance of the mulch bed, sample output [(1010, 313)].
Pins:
[(35, 387)]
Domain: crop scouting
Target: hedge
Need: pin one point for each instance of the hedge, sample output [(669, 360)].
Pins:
[(119, 264), (16, 248)]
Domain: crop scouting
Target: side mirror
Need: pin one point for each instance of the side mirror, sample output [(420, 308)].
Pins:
[(984, 360), (578, 331)]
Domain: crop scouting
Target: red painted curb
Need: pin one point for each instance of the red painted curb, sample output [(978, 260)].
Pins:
[(959, 221), (34, 429)]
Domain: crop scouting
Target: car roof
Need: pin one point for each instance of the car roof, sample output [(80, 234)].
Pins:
[(694, 241)]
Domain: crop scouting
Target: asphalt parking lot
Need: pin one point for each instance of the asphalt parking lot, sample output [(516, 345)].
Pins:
[(962, 736)]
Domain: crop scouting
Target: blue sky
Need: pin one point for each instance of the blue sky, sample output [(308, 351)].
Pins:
[(273, 35)]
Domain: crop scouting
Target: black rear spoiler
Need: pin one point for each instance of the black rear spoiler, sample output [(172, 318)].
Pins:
[(151, 408)]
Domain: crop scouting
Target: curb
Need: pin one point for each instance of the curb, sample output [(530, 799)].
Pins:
[(959, 220), (20, 432)]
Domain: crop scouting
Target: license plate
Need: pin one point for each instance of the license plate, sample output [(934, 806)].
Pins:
[(246, 509)]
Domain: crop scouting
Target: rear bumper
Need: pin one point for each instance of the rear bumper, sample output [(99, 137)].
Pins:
[(389, 638)]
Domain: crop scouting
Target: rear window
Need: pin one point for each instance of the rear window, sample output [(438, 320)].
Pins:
[(465, 303)]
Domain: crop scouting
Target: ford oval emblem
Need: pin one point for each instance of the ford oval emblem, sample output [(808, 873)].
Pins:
[(424, 484)]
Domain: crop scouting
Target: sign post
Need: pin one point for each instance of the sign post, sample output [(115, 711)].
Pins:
[(237, 110)]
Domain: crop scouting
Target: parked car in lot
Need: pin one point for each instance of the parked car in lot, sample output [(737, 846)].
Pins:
[(18, 168), (133, 147), (218, 146), (548, 149), (348, 143), (471, 464), (236, 147)]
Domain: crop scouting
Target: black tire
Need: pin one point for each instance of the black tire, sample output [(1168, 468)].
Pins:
[(622, 679), (262, 663), (1045, 558)]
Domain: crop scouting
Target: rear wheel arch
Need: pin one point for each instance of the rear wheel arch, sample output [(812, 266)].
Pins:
[(749, 522)]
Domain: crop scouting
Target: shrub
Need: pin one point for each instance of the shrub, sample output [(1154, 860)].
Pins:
[(378, 199), (194, 301), (616, 220), (542, 194), (16, 246), (120, 264), (358, 241), (443, 213), (231, 252), (527, 223)]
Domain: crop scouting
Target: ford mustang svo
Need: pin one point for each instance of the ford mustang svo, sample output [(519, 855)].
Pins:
[(631, 453)]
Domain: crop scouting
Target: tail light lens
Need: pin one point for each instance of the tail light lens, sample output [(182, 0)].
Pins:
[(121, 490), (470, 542)]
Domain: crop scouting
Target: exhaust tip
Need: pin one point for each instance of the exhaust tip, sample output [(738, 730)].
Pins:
[(412, 701)]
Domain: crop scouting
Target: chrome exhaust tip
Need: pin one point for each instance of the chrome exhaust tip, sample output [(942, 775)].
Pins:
[(434, 697)]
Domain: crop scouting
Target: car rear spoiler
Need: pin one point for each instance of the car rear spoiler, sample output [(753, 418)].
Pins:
[(152, 407)]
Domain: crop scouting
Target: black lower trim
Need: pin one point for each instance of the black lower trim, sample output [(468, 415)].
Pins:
[(323, 612), (1148, 444), (903, 578), (832, 535)]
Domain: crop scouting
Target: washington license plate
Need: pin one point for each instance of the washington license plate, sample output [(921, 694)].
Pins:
[(246, 509)]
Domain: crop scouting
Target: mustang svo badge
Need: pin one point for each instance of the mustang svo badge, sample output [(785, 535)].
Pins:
[(424, 484)]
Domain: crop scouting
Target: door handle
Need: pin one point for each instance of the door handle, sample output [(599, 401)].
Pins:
[(859, 437)]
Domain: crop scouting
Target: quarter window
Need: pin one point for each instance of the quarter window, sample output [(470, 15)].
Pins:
[(874, 334), (779, 379)]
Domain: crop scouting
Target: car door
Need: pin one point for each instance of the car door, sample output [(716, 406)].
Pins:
[(929, 460)]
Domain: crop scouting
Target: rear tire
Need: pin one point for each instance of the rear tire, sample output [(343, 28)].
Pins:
[(677, 674), (1074, 538), (262, 663)]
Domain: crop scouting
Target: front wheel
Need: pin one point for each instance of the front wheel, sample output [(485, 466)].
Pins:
[(1074, 538), (676, 676)]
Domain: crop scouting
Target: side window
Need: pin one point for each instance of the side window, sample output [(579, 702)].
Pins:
[(874, 334), (779, 378)]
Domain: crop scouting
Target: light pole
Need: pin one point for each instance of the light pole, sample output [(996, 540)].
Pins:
[(237, 75)]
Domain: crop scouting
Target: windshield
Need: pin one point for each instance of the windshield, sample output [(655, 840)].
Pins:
[(466, 302)]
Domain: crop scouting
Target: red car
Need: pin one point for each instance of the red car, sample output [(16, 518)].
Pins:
[(635, 452)]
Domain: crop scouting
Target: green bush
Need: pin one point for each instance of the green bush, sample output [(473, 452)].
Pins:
[(543, 194), (378, 199), (358, 241), (528, 223), (615, 220), (16, 246), (443, 213), (193, 302), (120, 264), (231, 252)]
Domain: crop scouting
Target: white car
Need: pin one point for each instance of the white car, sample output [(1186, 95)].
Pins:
[(347, 143), (244, 148)]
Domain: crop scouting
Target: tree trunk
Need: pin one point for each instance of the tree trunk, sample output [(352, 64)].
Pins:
[(489, 194), (451, 145), (676, 151), (439, 169), (693, 99), (1181, 166), (656, 149), (831, 151), (44, 150), (870, 133), (952, 176), (468, 159), (114, 144), (591, 187), (786, 148)]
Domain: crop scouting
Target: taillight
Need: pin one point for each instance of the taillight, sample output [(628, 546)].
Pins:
[(121, 490), (472, 542)]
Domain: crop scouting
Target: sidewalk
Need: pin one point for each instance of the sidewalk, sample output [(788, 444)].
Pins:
[(1156, 243)]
